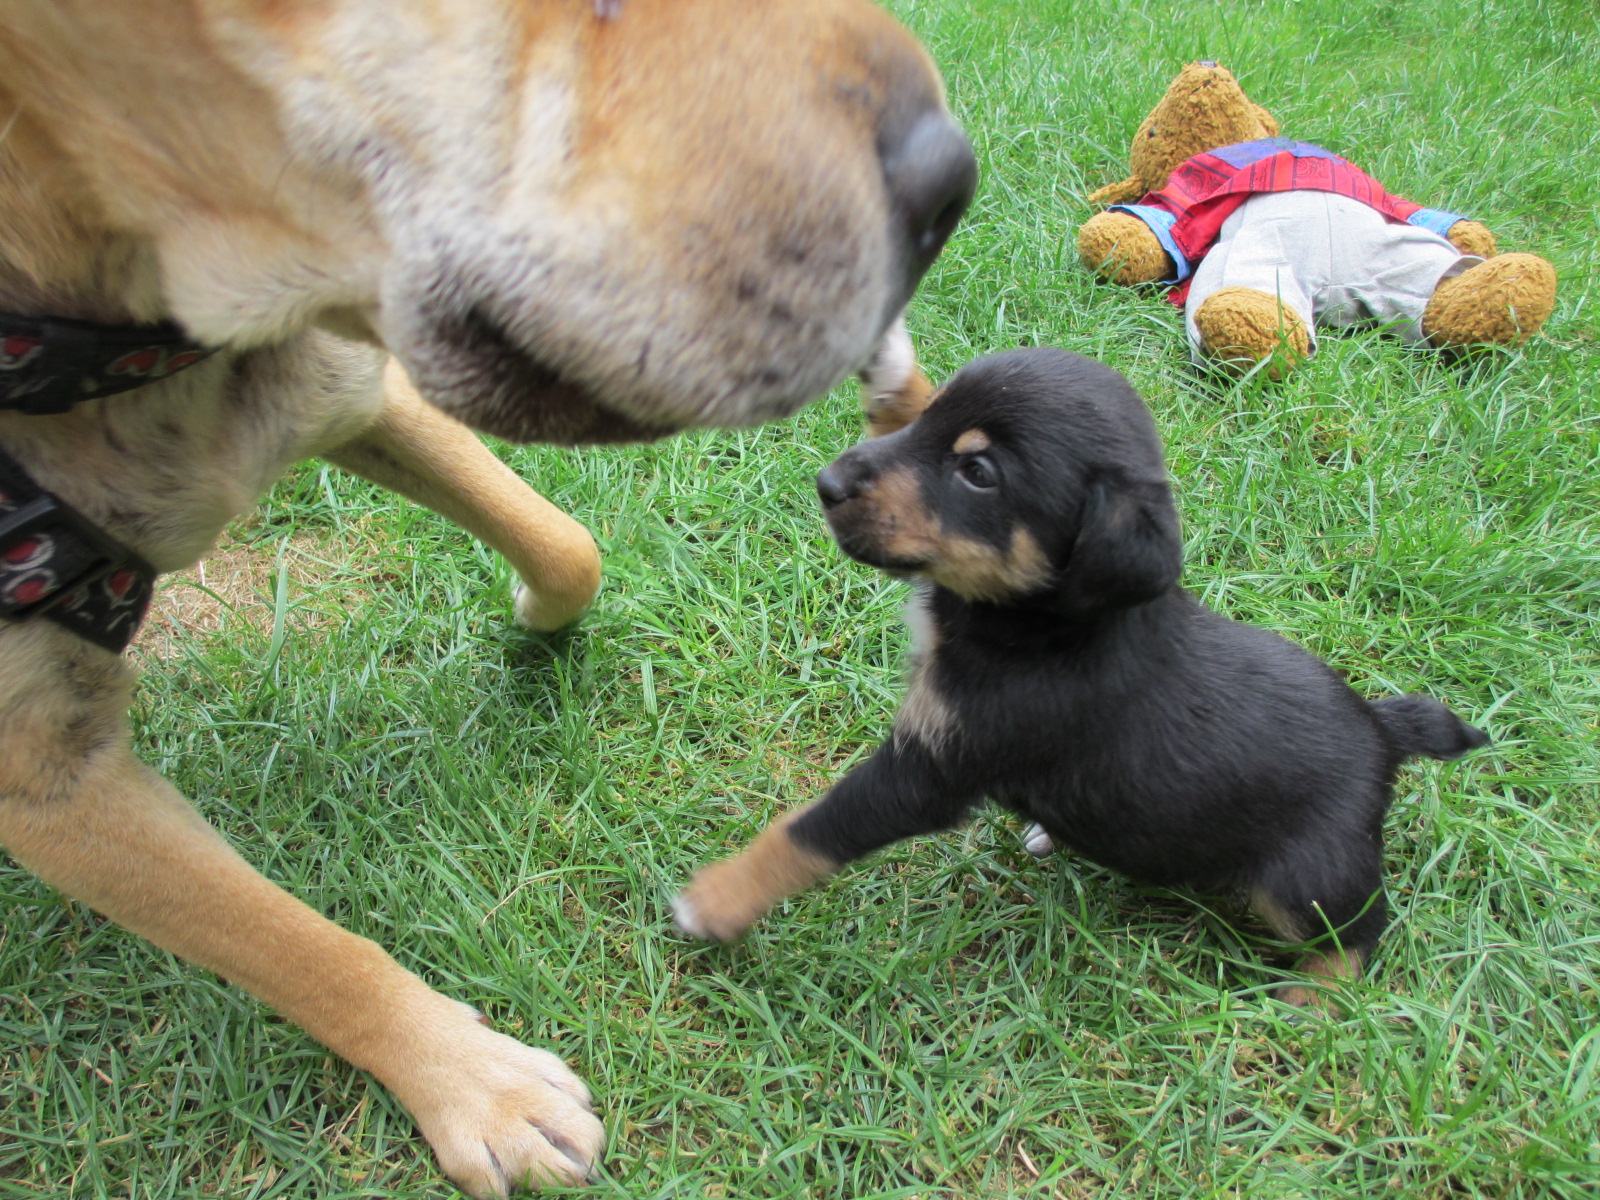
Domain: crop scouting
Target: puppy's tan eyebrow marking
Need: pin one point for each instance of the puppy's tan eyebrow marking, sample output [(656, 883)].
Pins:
[(973, 441)]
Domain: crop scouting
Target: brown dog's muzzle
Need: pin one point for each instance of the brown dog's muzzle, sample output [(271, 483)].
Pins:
[(931, 175), (736, 203)]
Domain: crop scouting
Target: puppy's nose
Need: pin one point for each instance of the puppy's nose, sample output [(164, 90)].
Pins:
[(832, 487), (845, 478), (931, 175)]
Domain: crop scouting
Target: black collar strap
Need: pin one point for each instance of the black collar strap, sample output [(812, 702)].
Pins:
[(55, 563), (48, 364)]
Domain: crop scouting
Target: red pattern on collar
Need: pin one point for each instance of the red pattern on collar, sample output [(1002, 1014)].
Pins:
[(49, 364), (55, 564)]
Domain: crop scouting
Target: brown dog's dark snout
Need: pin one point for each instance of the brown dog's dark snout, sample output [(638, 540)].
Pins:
[(931, 175)]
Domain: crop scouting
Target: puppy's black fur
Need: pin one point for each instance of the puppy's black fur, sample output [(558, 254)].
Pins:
[(1066, 675)]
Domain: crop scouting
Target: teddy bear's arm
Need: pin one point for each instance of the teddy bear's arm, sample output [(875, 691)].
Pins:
[(1470, 237), (1124, 191), (1122, 249)]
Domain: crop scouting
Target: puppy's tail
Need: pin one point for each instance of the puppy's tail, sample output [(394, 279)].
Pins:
[(1420, 725)]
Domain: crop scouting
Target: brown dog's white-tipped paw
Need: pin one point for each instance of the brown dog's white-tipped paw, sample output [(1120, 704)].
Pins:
[(890, 367), (541, 613), (503, 1117), (894, 391)]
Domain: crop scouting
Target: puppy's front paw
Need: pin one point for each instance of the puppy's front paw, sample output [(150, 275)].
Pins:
[(719, 904), (501, 1117), (1326, 966), (1037, 842), (727, 897)]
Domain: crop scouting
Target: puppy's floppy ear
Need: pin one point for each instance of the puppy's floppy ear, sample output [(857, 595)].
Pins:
[(1128, 549)]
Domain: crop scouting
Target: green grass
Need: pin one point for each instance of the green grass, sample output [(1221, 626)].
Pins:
[(949, 1019)]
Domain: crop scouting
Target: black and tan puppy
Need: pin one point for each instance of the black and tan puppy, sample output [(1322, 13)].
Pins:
[(1061, 671)]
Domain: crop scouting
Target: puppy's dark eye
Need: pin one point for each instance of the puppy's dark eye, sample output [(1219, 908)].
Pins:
[(978, 473)]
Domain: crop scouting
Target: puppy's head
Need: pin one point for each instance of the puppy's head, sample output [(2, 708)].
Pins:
[(1034, 478)]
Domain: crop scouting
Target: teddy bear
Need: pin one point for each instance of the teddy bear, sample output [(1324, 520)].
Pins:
[(1265, 239)]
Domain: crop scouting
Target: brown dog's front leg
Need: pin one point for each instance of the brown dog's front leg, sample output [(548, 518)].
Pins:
[(894, 391), (418, 451), (498, 1114)]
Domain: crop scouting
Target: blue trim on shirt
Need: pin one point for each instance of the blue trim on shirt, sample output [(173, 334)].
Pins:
[(1160, 222), (1434, 220), (1244, 154)]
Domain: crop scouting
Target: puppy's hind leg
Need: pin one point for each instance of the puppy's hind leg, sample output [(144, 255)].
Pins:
[(1036, 840), (1332, 896), (498, 1114), (421, 453)]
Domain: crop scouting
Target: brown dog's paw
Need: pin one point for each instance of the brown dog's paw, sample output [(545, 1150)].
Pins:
[(894, 391), (567, 578), (543, 613), (502, 1117)]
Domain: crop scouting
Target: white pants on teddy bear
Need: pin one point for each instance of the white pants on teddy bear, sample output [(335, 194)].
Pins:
[(1332, 260)]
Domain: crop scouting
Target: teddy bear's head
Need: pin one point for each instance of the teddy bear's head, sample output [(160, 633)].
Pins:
[(1204, 108)]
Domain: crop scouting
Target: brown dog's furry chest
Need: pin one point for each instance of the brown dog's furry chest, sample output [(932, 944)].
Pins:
[(164, 468)]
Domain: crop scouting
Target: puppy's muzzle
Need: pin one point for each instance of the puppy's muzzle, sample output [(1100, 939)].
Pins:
[(845, 478), (862, 514)]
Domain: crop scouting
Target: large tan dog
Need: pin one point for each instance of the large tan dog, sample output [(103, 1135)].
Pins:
[(567, 220)]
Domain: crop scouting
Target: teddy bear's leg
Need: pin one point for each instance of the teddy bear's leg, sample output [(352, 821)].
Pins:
[(1386, 272), (1501, 302), (1237, 327), (1251, 298)]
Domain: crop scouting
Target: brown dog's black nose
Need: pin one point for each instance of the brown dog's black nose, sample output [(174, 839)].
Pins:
[(931, 175)]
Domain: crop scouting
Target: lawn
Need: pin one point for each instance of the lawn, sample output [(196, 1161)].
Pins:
[(510, 814)]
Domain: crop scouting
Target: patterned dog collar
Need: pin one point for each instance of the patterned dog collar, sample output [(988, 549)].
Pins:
[(55, 563), (49, 364)]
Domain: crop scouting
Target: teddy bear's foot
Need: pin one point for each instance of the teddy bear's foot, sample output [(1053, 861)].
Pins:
[(1501, 302), (1121, 249), (1240, 327)]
